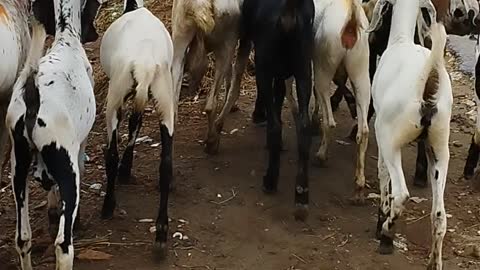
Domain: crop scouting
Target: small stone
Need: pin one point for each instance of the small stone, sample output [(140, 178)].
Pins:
[(457, 144), (96, 186)]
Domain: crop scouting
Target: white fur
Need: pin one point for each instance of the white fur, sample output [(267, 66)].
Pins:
[(15, 41), (397, 90), (138, 44), (192, 20)]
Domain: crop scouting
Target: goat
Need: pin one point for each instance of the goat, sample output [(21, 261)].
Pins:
[(200, 26), (340, 43), (282, 36), (413, 100), (137, 54), (15, 37), (474, 149), (49, 118), (453, 15)]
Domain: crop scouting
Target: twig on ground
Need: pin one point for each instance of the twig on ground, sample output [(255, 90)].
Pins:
[(234, 194), (193, 266), (418, 219), (299, 258)]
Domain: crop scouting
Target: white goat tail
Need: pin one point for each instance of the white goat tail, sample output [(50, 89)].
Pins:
[(144, 72), (201, 12), (351, 29), (435, 61), (35, 52)]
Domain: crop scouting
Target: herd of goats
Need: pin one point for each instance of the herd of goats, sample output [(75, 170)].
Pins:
[(47, 101)]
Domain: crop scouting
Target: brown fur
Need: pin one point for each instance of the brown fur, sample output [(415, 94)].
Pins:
[(429, 108), (3, 14), (431, 87), (350, 31)]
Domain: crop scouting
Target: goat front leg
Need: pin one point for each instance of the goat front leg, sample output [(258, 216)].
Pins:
[(304, 140), (62, 165), (438, 156), (323, 77), (197, 64), (223, 58), (113, 118), (234, 92), (134, 125), (474, 150), (274, 129), (4, 143), (21, 158), (421, 166)]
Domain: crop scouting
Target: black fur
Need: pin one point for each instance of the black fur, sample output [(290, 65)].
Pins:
[(31, 97), (60, 167), (130, 6), (282, 34)]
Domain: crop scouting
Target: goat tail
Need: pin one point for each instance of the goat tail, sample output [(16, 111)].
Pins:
[(430, 77), (144, 73), (202, 13), (27, 75), (35, 52), (434, 61), (351, 29)]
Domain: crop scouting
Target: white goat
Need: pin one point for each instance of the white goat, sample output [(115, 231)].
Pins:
[(412, 95), (202, 26), (15, 37), (137, 54), (49, 118)]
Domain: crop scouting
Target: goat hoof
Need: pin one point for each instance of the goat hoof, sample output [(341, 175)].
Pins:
[(259, 119), (386, 245), (301, 212), (320, 162), (468, 175), (53, 231), (234, 108), (358, 199), (353, 134), (269, 190), (126, 179), (108, 208), (269, 185), (212, 145), (160, 251), (420, 182), (433, 266)]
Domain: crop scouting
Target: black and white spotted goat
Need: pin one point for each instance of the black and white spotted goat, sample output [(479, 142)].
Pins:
[(15, 37), (137, 54), (49, 118), (413, 100)]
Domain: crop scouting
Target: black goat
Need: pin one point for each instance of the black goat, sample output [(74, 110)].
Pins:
[(282, 34)]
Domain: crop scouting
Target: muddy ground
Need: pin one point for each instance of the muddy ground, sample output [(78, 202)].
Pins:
[(218, 203)]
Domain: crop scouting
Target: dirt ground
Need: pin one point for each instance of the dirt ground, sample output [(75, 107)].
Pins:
[(220, 208)]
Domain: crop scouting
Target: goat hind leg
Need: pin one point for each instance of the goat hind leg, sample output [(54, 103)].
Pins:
[(223, 58), (21, 158), (166, 108), (438, 165)]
